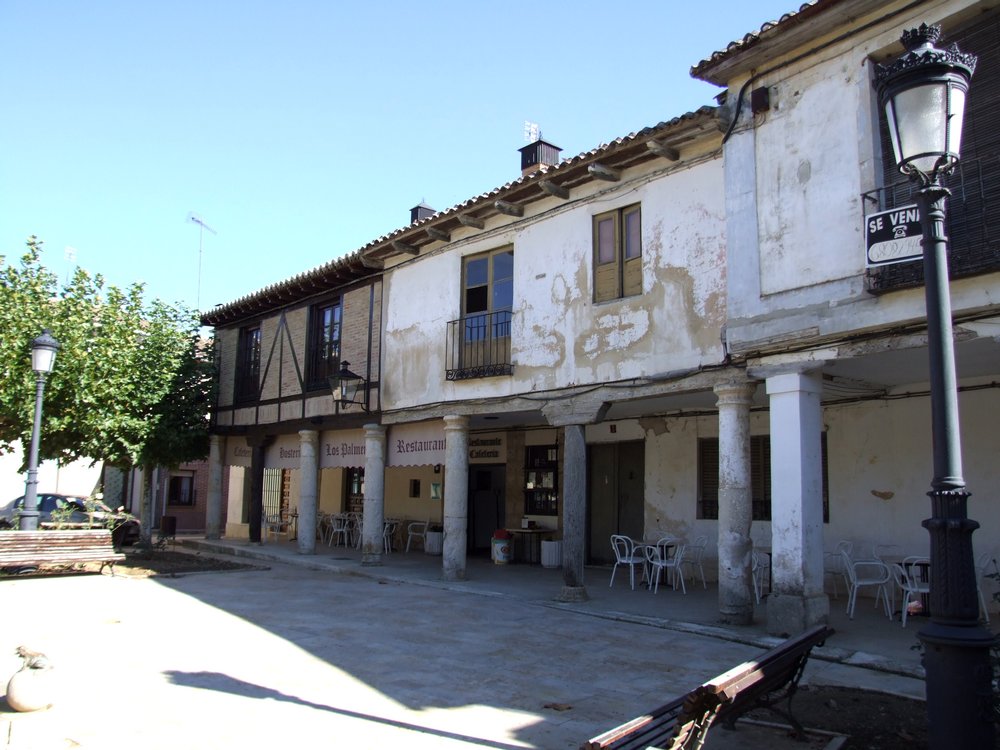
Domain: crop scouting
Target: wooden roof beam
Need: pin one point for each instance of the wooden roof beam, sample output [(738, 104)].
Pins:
[(436, 234), (553, 189), (468, 220), (602, 172), (405, 247), (511, 209), (661, 149)]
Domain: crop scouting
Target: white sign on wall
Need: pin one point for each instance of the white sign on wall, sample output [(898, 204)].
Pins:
[(893, 236), (342, 449), (416, 444)]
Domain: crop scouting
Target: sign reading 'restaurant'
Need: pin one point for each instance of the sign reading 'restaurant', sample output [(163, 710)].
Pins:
[(893, 236)]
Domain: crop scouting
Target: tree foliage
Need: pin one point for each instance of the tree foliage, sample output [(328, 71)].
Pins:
[(132, 382)]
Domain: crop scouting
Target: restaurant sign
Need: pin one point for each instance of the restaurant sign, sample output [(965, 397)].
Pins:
[(488, 448), (893, 236), (416, 444), (342, 449)]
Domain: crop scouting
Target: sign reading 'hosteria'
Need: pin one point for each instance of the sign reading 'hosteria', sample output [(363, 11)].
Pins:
[(893, 236)]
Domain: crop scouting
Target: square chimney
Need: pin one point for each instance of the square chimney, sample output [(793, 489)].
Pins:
[(537, 154)]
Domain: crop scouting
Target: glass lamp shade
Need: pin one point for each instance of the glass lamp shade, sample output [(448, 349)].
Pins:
[(43, 353), (345, 385), (923, 94)]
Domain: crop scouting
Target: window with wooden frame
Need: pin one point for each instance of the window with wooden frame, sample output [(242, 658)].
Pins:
[(479, 342), (324, 343), (180, 488), (618, 254), (760, 478), (248, 364)]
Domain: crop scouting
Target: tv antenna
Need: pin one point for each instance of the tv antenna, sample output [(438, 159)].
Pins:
[(202, 226), (532, 132)]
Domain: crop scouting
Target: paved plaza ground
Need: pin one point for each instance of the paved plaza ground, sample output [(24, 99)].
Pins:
[(292, 656)]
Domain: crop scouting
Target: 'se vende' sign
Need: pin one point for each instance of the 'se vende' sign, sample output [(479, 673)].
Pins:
[(893, 236)]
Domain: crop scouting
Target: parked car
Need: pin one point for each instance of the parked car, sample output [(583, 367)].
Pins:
[(75, 509)]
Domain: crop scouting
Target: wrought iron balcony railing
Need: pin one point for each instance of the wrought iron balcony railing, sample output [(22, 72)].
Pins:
[(479, 346)]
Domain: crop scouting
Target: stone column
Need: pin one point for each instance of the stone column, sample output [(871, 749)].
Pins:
[(213, 503), (308, 486), (574, 497), (374, 508), (797, 600), (736, 598), (456, 497)]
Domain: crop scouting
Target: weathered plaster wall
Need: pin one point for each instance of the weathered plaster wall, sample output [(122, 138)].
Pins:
[(559, 336)]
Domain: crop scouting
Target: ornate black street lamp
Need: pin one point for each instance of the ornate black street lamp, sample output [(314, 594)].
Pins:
[(43, 357), (347, 385), (923, 94)]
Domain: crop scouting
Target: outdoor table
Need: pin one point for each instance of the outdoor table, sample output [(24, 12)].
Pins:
[(530, 543)]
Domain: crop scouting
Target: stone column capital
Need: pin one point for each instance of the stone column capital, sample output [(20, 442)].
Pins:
[(374, 430), (735, 392), (456, 422), (309, 436)]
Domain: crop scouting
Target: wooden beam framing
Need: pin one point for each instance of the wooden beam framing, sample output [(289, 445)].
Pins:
[(437, 234), (554, 189), (468, 220), (511, 209), (405, 247), (602, 172), (661, 149)]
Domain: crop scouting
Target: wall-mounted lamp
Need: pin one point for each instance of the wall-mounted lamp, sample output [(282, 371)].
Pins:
[(346, 386)]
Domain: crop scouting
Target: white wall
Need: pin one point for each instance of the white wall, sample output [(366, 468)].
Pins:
[(560, 337), (76, 478)]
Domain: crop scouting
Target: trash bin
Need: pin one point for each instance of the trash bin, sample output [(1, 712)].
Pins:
[(168, 527), (500, 546), (551, 554)]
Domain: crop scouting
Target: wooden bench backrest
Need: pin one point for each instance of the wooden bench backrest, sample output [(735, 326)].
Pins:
[(684, 721), (52, 547)]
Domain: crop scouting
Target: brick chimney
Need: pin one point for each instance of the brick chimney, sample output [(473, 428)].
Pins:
[(537, 154)]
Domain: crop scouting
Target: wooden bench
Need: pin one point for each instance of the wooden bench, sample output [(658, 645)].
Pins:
[(20, 549), (684, 722)]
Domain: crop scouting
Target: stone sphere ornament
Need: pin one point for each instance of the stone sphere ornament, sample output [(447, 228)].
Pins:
[(33, 687)]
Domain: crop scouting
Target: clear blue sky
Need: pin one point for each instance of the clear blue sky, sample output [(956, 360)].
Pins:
[(301, 130)]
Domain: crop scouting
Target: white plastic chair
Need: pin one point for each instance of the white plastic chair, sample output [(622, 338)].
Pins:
[(911, 587), (417, 530), (693, 554), (863, 573), (626, 554)]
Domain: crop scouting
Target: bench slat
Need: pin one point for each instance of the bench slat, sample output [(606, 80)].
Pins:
[(51, 547), (684, 722)]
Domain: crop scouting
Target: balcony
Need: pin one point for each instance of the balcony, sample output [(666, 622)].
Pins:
[(479, 346), (973, 211)]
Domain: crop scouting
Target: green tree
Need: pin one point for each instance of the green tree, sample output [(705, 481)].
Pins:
[(132, 383)]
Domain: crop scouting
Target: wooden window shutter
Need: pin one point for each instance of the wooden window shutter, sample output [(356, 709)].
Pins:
[(606, 257), (632, 255)]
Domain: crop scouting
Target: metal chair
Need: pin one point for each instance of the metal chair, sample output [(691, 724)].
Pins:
[(388, 532), (340, 531), (911, 587), (274, 524), (693, 554), (863, 573), (417, 530), (834, 564), (626, 554), (760, 573)]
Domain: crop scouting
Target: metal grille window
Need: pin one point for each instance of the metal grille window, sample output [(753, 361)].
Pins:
[(324, 343), (618, 254), (974, 205), (760, 478), (248, 364)]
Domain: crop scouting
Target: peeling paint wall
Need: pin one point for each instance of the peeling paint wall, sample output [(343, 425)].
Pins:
[(560, 337)]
